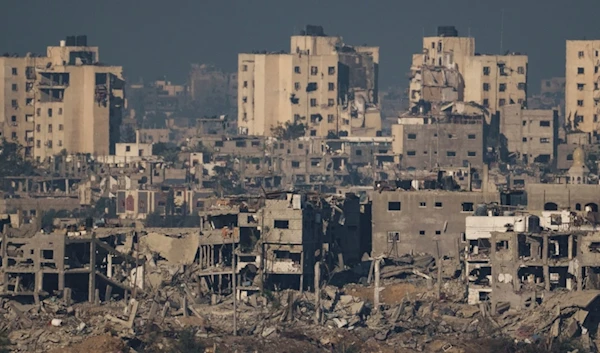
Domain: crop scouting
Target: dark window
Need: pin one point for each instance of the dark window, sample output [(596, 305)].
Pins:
[(521, 70), (331, 86), (580, 71), (467, 207), (522, 86), (295, 164), (281, 224), (255, 143), (421, 232), (314, 70), (330, 118), (486, 102), (359, 152), (330, 102), (15, 88), (313, 132), (297, 69), (422, 204), (296, 86), (394, 206), (331, 70), (471, 136), (486, 71), (240, 143), (471, 153), (524, 139), (450, 153), (438, 232), (411, 153), (502, 102), (412, 136), (313, 102), (502, 87), (15, 72), (438, 205), (393, 237), (486, 86), (545, 123)]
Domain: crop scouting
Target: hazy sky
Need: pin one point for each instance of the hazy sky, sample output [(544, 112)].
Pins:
[(153, 38)]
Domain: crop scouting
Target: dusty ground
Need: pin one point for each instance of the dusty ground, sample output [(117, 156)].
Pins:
[(97, 344), (391, 294)]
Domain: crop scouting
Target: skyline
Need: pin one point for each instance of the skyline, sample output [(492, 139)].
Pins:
[(163, 40)]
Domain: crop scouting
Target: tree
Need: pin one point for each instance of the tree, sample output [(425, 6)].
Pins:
[(227, 179), (169, 151), (289, 131), (12, 162), (127, 134)]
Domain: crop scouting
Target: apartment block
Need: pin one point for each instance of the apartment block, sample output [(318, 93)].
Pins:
[(448, 69), (66, 100), (530, 135), (453, 138), (328, 86), (496, 80), (581, 92), (17, 98)]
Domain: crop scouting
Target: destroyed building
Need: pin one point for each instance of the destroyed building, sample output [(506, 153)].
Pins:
[(442, 215), (326, 85), (522, 260), (82, 264)]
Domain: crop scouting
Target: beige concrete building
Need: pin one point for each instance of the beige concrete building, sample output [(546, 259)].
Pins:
[(322, 83), (454, 138), (531, 135), (448, 69), (69, 101), (496, 80), (17, 98), (581, 92)]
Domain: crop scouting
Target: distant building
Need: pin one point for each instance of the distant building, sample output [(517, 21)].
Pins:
[(328, 86), (448, 69), (212, 90), (582, 93), (64, 101), (452, 138), (530, 134), (496, 80)]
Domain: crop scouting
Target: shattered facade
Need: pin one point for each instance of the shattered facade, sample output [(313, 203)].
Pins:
[(329, 87)]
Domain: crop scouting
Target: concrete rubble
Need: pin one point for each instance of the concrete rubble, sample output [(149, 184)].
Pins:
[(410, 317)]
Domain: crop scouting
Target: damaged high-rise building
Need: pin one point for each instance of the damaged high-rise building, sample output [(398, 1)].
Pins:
[(65, 100), (323, 83), (448, 69)]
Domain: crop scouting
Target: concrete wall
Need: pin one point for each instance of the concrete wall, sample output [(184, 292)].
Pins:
[(419, 222), (563, 195), (581, 83), (531, 133), (444, 145)]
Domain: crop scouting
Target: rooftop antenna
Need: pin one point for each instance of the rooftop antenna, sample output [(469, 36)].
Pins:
[(501, 31)]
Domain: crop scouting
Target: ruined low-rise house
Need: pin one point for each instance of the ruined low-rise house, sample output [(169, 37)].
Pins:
[(292, 237), (85, 263), (441, 220), (520, 259)]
